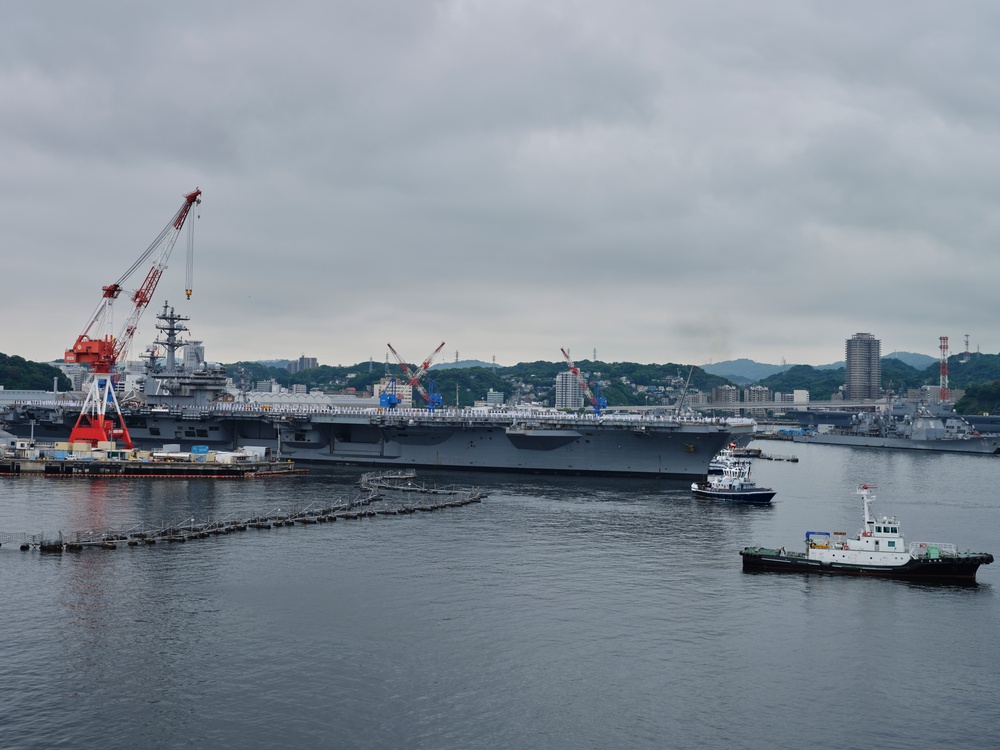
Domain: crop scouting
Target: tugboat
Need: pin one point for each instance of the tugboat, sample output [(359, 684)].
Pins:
[(877, 550), (734, 484)]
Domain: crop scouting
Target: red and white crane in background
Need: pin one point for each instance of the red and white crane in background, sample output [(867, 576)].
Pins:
[(100, 350), (597, 403), (413, 378)]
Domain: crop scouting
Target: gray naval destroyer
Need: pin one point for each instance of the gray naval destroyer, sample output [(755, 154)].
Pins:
[(899, 425), (186, 404)]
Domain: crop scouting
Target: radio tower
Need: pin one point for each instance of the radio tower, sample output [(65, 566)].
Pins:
[(943, 392), (967, 356)]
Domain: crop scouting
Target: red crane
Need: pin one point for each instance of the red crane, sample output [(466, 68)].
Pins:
[(413, 378), (103, 353)]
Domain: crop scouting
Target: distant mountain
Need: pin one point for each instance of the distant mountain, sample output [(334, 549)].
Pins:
[(744, 370), (463, 364), (914, 360), (273, 362)]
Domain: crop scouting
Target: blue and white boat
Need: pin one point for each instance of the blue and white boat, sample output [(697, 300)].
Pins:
[(733, 484), (722, 459)]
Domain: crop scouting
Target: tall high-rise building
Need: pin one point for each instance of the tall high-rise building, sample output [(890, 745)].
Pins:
[(725, 394), (569, 394), (863, 367), (302, 363)]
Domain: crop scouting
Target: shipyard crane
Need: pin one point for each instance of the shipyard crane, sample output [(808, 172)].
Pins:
[(597, 403), (100, 350), (387, 398), (413, 378), (434, 397)]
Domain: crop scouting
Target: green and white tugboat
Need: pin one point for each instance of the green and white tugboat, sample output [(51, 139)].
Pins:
[(878, 549)]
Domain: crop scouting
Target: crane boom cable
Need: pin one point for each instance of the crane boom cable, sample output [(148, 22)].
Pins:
[(149, 251), (189, 266)]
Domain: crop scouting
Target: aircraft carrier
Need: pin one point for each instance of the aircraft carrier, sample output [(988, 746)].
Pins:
[(529, 441), (185, 407)]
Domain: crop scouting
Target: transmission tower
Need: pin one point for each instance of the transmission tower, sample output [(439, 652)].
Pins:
[(943, 391)]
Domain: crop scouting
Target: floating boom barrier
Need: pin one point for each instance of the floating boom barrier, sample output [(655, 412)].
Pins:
[(387, 489)]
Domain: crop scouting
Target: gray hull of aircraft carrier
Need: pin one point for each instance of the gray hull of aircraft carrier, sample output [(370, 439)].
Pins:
[(472, 439), (459, 439)]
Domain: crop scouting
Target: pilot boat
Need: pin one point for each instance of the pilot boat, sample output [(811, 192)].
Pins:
[(734, 484)]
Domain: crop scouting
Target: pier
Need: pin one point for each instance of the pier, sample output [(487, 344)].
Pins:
[(381, 494), (94, 468)]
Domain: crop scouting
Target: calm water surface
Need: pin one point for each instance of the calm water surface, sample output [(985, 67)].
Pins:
[(559, 613)]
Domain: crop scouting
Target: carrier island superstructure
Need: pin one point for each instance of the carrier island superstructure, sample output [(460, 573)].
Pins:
[(182, 405)]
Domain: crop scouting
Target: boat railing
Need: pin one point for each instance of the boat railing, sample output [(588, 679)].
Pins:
[(932, 550)]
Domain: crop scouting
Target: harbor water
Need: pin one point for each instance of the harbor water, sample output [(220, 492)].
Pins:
[(557, 613)]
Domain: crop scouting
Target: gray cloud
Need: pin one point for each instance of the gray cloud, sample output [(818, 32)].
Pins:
[(659, 181)]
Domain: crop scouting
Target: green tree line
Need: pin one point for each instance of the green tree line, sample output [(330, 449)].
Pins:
[(17, 373)]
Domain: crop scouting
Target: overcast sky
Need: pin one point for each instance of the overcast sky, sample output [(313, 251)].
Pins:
[(657, 181)]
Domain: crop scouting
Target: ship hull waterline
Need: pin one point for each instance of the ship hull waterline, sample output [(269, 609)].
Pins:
[(746, 497), (948, 571)]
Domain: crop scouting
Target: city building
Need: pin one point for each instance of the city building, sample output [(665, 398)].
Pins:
[(267, 386), (302, 363), (569, 394), (863, 367), (695, 398), (757, 394), (76, 373), (723, 395)]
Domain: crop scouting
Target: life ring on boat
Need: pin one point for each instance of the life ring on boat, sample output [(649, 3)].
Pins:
[(845, 546)]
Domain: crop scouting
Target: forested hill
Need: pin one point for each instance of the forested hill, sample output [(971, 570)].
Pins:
[(623, 383), (17, 373), (897, 376)]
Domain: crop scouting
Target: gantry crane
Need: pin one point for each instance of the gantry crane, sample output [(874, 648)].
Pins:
[(387, 398), (413, 378), (101, 351), (434, 397), (597, 403)]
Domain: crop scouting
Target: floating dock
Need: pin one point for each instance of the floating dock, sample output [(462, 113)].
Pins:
[(81, 460), (145, 468)]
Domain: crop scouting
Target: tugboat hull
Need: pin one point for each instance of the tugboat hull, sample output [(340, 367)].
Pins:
[(752, 497), (958, 570)]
